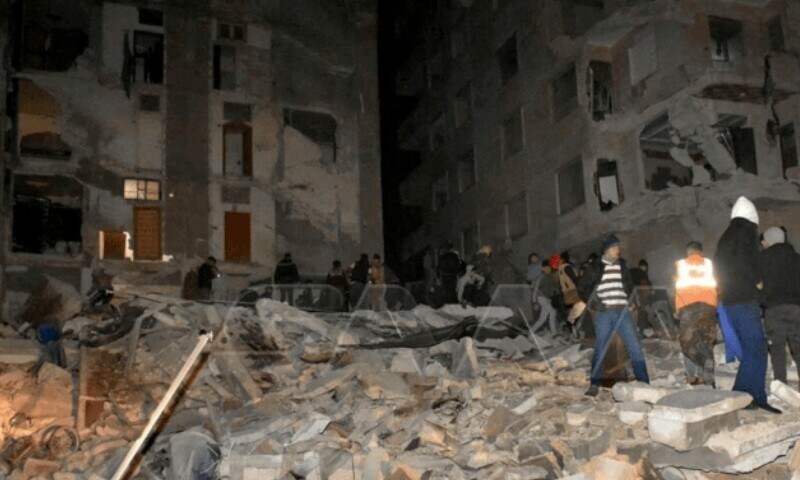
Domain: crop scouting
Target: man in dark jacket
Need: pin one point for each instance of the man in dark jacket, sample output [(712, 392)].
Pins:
[(605, 287), (205, 275), (450, 267), (738, 276), (286, 276), (780, 271), (359, 277)]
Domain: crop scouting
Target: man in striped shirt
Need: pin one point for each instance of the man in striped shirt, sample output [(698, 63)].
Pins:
[(605, 288)]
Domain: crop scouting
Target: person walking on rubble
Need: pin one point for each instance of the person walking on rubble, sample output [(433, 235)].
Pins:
[(377, 283), (696, 306), (780, 270), (478, 293), (738, 278), (545, 287), (359, 277), (605, 288), (205, 275), (286, 276)]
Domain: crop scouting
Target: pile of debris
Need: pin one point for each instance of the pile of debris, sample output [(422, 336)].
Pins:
[(433, 394)]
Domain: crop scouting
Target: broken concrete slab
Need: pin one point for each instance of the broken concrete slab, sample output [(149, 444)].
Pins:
[(750, 437), (633, 413), (312, 425), (52, 302), (18, 351), (639, 392), (328, 382), (273, 310), (686, 419), (407, 360), (785, 393), (465, 360), (384, 385)]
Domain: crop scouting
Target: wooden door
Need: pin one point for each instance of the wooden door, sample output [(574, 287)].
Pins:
[(237, 236), (113, 245), (147, 233)]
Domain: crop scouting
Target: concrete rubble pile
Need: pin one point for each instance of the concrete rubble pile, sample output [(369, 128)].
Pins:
[(285, 394)]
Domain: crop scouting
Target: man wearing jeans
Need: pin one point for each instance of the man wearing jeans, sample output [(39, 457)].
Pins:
[(605, 288)]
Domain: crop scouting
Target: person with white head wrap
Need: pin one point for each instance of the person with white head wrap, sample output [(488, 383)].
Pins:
[(737, 268)]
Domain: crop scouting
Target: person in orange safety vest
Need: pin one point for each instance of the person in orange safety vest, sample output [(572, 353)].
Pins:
[(695, 304)]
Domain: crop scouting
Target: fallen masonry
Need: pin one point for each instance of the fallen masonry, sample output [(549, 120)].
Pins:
[(418, 394)]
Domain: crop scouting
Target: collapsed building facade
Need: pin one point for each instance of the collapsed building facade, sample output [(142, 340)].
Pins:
[(540, 126), (141, 137)]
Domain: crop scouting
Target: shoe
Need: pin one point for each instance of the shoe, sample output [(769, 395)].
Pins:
[(763, 406), (592, 391)]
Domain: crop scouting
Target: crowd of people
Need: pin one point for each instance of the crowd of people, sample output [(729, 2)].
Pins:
[(749, 276)]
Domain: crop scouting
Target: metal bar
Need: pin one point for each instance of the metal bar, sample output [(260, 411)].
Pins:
[(173, 388)]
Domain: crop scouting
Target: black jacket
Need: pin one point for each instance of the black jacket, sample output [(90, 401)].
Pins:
[(592, 276), (780, 271), (286, 272), (736, 263)]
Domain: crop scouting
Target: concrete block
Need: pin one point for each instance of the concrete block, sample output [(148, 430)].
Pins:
[(633, 413), (406, 361), (578, 413), (497, 423), (639, 392), (326, 383), (591, 443), (384, 385), (465, 359), (785, 393), (686, 419), (35, 467), (312, 426), (750, 437), (18, 350)]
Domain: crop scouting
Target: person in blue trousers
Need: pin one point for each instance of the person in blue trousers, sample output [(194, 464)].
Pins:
[(605, 287), (738, 279)]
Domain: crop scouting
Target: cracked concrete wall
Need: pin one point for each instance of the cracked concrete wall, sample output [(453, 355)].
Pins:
[(674, 80), (316, 67)]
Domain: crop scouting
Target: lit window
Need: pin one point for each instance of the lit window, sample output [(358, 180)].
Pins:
[(138, 189)]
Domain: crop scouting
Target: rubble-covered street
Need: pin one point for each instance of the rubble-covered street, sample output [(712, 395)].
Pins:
[(285, 394)]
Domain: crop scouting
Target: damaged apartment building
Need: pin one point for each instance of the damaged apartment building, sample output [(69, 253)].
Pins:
[(540, 126), (141, 137)]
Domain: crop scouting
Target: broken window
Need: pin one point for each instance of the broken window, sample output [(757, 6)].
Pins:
[(738, 140), (601, 87), (462, 107), (788, 147), (150, 103), (440, 192), (54, 34), (39, 122), (237, 237), (606, 185), (660, 169), (564, 93), (466, 170), (147, 58), (47, 214), (436, 134), (231, 31), (224, 67), (578, 16), (237, 156), (727, 40), (317, 126), (146, 233), (517, 216), (512, 134), (776, 39), (149, 16), (570, 186), (507, 59), (140, 189)]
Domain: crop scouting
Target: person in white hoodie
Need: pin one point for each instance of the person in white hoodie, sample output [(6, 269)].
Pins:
[(738, 278)]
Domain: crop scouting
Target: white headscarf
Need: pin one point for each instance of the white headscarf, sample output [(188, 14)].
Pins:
[(744, 208)]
